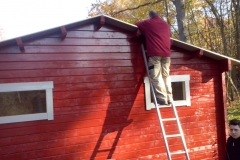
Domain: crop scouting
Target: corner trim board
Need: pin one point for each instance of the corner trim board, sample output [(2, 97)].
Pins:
[(225, 65)]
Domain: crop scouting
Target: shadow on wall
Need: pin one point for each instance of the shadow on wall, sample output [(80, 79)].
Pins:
[(122, 96)]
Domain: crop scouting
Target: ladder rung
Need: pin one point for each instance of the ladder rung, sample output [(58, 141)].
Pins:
[(169, 119), (104, 150), (173, 135), (182, 152)]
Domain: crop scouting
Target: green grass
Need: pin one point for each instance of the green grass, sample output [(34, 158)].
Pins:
[(233, 110)]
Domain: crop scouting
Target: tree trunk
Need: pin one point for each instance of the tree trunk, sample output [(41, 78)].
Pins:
[(181, 19), (236, 5)]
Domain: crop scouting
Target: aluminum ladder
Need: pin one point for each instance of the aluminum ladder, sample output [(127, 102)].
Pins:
[(169, 154)]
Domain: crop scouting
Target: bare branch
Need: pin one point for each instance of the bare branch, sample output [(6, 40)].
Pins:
[(142, 5)]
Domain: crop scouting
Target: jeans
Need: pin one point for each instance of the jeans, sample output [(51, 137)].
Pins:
[(159, 68)]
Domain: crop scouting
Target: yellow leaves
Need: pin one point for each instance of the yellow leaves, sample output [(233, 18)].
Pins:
[(129, 11)]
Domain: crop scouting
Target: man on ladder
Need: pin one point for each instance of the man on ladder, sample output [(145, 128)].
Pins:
[(157, 33), (158, 43)]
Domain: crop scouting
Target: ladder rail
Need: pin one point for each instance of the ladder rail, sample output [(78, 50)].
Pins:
[(155, 102), (180, 130), (160, 117)]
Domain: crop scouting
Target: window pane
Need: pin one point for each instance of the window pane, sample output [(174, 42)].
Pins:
[(22, 102), (178, 91)]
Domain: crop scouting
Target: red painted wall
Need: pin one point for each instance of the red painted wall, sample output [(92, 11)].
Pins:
[(99, 107)]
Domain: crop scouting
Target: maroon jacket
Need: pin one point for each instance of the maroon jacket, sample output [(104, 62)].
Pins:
[(157, 33)]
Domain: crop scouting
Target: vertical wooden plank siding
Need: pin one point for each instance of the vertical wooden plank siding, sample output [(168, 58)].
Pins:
[(99, 106)]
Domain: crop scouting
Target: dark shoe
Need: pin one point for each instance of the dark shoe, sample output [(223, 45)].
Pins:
[(169, 103), (161, 102)]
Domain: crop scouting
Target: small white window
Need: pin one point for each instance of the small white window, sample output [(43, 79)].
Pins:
[(26, 101), (180, 89)]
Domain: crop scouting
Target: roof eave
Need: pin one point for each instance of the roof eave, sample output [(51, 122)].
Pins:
[(206, 52), (93, 20)]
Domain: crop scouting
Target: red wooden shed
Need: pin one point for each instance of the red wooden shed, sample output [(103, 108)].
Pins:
[(79, 92)]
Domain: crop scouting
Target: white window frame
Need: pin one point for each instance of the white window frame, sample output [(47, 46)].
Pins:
[(30, 86), (174, 78)]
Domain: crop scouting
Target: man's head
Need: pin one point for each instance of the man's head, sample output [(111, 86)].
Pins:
[(152, 14), (234, 126)]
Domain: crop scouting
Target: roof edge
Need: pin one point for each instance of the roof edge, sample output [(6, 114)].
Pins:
[(206, 52)]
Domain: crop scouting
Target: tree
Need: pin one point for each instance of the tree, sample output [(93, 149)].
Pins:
[(181, 19), (236, 22), (125, 10), (136, 10)]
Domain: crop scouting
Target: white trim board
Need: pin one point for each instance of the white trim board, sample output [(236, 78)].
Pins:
[(30, 86), (174, 78)]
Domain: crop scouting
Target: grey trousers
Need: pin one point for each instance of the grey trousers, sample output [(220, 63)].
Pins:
[(159, 68)]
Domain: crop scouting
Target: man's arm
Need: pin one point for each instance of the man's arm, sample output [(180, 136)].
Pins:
[(141, 25)]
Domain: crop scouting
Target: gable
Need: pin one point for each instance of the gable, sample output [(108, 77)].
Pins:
[(100, 22)]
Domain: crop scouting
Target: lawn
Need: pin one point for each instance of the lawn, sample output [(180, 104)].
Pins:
[(233, 110)]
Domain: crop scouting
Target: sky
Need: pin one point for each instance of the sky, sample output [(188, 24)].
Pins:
[(22, 17)]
